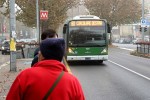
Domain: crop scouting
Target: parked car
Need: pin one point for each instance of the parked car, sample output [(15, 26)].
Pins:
[(137, 40), (5, 47), (1, 41), (125, 40), (116, 41), (1, 44)]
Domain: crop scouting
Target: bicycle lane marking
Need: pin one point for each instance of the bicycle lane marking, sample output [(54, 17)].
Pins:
[(130, 70)]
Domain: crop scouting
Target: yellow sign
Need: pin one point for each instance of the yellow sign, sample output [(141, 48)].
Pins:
[(86, 23), (12, 45)]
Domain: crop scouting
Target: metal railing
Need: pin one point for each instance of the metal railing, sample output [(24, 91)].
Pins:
[(26, 50), (143, 47)]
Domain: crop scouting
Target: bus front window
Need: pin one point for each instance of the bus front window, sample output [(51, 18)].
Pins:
[(87, 36)]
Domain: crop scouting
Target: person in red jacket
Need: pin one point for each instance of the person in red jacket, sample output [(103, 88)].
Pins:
[(34, 83)]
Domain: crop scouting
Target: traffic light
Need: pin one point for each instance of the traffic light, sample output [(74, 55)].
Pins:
[(140, 29), (145, 29)]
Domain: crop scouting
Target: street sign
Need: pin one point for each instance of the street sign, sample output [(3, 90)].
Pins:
[(145, 23), (43, 15)]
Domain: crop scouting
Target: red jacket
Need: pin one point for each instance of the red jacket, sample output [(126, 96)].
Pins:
[(33, 83)]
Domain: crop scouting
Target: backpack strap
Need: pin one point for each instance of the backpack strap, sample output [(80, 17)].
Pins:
[(53, 86)]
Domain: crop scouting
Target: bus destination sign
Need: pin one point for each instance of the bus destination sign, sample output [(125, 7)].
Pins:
[(86, 23)]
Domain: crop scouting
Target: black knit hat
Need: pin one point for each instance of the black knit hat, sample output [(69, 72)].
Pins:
[(53, 48)]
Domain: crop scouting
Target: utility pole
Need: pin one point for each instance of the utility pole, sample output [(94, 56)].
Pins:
[(37, 20), (44, 22), (142, 19), (12, 36)]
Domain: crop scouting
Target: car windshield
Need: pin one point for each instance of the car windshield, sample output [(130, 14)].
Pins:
[(6, 43)]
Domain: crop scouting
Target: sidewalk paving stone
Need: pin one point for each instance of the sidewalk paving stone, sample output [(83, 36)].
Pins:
[(7, 77)]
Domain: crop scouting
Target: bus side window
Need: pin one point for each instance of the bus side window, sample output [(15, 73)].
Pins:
[(65, 29)]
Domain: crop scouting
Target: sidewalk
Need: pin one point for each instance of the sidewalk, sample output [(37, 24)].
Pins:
[(7, 77)]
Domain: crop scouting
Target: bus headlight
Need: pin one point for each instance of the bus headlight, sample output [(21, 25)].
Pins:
[(22, 45), (70, 50), (3, 48), (104, 51)]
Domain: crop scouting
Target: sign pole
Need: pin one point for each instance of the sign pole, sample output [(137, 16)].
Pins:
[(12, 36), (37, 20), (142, 19), (44, 18)]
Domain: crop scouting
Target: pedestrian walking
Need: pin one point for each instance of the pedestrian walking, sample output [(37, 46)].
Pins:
[(48, 79), (49, 33)]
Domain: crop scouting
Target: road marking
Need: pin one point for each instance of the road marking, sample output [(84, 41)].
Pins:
[(5, 64), (127, 49), (65, 62), (130, 70)]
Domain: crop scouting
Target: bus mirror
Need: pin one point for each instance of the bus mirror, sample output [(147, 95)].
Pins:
[(108, 28), (65, 29)]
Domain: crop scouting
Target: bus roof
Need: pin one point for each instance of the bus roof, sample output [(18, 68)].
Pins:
[(85, 17)]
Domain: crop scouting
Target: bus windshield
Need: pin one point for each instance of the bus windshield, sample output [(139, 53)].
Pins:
[(87, 36)]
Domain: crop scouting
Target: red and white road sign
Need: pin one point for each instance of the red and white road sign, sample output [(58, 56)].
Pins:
[(43, 14)]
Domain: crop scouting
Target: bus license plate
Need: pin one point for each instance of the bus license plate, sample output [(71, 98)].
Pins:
[(87, 58)]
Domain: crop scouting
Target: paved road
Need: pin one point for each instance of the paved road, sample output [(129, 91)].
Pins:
[(122, 77), (126, 46)]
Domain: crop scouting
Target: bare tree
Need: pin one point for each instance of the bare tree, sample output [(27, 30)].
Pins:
[(57, 11), (116, 12), (2, 2), (26, 11)]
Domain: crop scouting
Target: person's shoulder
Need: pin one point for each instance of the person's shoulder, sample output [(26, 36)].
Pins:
[(26, 72), (72, 81), (70, 76)]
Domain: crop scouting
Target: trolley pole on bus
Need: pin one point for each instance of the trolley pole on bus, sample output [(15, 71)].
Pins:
[(12, 36)]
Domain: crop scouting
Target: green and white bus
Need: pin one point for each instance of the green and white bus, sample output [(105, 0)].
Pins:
[(86, 38)]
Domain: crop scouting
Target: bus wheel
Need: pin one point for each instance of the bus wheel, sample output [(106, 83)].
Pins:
[(101, 61)]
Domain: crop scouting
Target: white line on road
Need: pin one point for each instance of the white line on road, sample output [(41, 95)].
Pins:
[(3, 65), (130, 70), (127, 49)]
